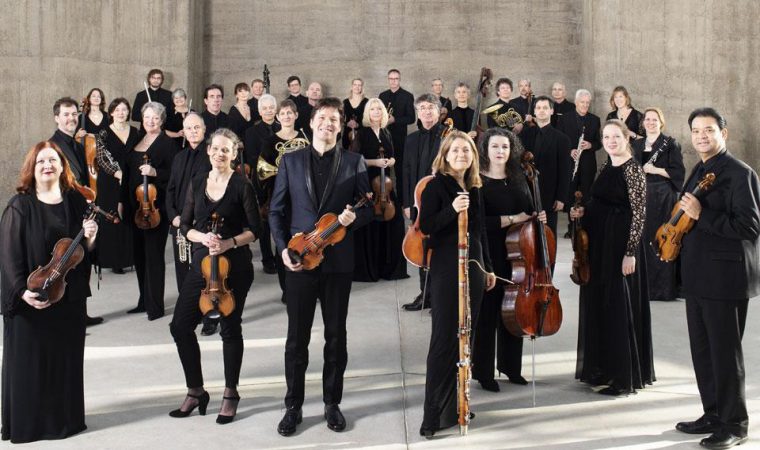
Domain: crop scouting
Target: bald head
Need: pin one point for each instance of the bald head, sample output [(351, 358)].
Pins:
[(194, 128), (314, 92)]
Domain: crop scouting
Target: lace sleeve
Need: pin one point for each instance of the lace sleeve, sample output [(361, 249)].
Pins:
[(103, 157), (636, 182)]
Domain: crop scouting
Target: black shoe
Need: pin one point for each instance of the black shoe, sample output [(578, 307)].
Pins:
[(567, 235), (517, 379), (417, 304), (614, 392), (722, 439), (136, 310), (118, 271), (287, 425), (489, 385), (209, 327), (703, 425), (158, 316), (203, 400), (222, 419), (427, 433), (270, 268), (335, 419), (90, 321)]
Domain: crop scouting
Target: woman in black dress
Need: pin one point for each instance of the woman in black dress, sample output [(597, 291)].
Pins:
[(240, 115), (456, 170), (507, 201), (353, 109), (663, 165), (620, 102), (377, 251), (173, 126), (148, 245), (94, 118), (229, 195), (113, 144), (43, 343), (614, 327)]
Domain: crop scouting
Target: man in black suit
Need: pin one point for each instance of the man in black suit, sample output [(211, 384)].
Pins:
[(313, 181), (301, 101), (551, 152), (158, 94), (66, 116), (719, 269), (420, 149), (400, 105), (257, 90), (213, 116)]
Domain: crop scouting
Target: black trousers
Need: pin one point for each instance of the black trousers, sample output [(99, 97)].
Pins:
[(265, 243), (333, 291), (716, 328), (150, 266), (180, 268), (491, 339), (187, 315), (551, 220)]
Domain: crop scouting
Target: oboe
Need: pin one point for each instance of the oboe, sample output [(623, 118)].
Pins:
[(580, 150), (464, 368)]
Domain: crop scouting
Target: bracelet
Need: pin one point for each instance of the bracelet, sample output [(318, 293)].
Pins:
[(234, 243), (511, 220)]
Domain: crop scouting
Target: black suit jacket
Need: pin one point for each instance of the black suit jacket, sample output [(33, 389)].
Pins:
[(294, 208), (552, 157), (413, 162), (176, 190), (719, 257), (402, 102), (161, 95), (74, 153)]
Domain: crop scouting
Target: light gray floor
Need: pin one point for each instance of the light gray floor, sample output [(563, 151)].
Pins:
[(133, 379)]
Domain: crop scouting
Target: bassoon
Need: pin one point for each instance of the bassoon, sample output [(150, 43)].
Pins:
[(464, 366)]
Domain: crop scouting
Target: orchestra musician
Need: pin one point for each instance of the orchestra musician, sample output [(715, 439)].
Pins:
[(148, 245), (507, 200), (456, 170), (462, 114), (114, 241), (94, 116), (213, 116), (240, 116), (661, 158), (301, 101), (620, 102), (719, 269), (314, 94), (523, 103), (353, 106), (158, 94), (227, 193), (400, 105), (614, 328), (504, 94), (257, 90), (436, 88), (304, 191), (173, 127), (43, 343), (378, 245), (562, 105), (421, 150)]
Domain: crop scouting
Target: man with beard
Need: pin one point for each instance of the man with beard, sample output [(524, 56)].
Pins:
[(157, 94)]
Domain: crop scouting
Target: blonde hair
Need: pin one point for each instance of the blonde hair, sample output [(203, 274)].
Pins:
[(365, 117), (660, 115), (440, 165), (623, 128)]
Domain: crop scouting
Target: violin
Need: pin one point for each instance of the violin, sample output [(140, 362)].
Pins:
[(414, 246), (581, 264), (49, 281), (667, 240), (147, 216), (308, 249), (216, 299), (531, 307), (382, 186)]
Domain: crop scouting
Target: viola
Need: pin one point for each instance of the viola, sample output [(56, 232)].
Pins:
[(49, 281), (147, 216), (668, 239), (414, 246), (216, 299), (308, 249), (581, 265), (531, 307), (382, 186)]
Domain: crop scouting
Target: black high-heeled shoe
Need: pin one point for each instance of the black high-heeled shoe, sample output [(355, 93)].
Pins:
[(222, 419), (203, 400)]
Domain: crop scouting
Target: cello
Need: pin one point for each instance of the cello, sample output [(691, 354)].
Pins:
[(90, 151), (531, 307), (216, 298), (581, 265), (414, 246), (147, 216)]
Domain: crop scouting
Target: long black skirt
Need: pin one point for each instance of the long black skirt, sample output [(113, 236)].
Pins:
[(661, 276), (114, 241)]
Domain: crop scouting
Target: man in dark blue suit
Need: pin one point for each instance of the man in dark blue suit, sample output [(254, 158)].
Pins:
[(719, 269), (321, 178)]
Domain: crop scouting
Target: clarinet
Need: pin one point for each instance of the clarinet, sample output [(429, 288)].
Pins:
[(578, 159), (657, 154), (464, 366)]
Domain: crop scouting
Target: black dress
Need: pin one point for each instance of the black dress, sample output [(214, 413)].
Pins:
[(349, 112), (237, 122), (614, 327), (174, 123), (633, 121), (439, 220), (91, 127), (43, 350), (239, 210), (500, 197), (462, 118), (662, 194), (114, 241), (378, 245)]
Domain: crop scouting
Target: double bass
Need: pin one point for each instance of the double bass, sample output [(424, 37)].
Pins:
[(485, 81), (216, 299), (531, 307), (581, 265)]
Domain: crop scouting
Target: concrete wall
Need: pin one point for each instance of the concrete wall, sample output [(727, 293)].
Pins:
[(678, 55)]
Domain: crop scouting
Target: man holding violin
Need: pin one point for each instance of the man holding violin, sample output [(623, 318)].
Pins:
[(313, 181), (719, 269)]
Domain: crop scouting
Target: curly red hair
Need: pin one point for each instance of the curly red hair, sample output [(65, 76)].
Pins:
[(26, 181)]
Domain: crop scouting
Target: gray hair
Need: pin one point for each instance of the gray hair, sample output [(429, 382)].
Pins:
[(268, 98), (229, 134), (179, 92), (582, 93), (158, 109), (429, 98)]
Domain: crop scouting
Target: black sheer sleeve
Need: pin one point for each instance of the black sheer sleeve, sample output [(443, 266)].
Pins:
[(12, 258), (187, 219), (103, 157), (637, 194), (251, 208)]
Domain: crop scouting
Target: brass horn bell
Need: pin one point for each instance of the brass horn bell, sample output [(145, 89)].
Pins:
[(264, 170)]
